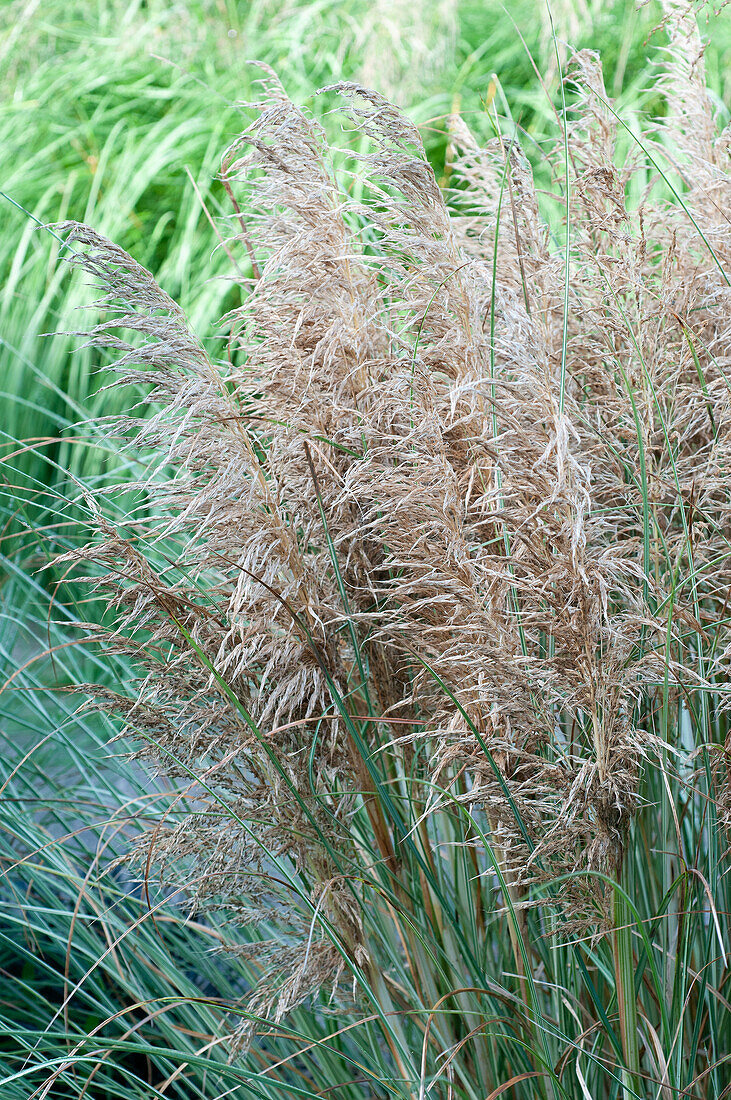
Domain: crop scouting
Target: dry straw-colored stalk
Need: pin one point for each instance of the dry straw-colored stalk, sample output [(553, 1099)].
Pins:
[(446, 523)]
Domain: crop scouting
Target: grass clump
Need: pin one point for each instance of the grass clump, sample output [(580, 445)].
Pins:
[(425, 591)]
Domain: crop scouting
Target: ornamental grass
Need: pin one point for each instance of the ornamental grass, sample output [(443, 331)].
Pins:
[(426, 586)]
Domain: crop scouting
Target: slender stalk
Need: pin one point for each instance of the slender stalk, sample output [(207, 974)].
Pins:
[(624, 974)]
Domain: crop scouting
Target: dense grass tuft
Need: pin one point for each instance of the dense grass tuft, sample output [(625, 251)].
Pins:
[(409, 591)]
